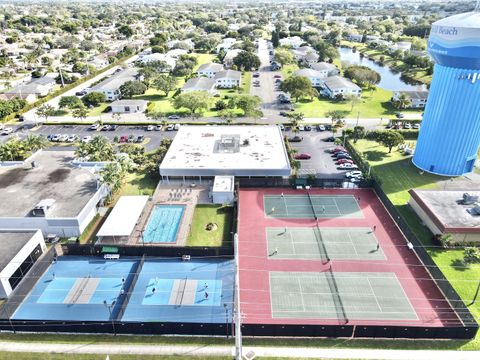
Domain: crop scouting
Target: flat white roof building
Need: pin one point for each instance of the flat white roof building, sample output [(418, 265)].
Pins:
[(207, 151)]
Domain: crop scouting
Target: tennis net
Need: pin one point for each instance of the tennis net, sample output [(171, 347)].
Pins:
[(337, 300)]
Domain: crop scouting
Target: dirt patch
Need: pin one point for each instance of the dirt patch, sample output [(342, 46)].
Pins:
[(58, 175), (211, 227), (13, 176)]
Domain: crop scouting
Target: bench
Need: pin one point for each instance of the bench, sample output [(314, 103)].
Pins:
[(111, 256)]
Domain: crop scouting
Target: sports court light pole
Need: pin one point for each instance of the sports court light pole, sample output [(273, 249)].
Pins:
[(226, 319), (109, 307)]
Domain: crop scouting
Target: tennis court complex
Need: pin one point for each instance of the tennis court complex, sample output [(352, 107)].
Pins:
[(307, 206), (323, 243), (339, 295)]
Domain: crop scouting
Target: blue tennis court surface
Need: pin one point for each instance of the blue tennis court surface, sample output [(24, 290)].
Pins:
[(75, 288), (162, 226), (185, 291)]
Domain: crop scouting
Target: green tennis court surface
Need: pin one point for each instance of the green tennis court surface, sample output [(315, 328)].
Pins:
[(340, 295), (311, 206), (323, 243)]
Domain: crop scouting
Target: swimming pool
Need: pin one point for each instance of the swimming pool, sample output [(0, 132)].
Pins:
[(163, 224)]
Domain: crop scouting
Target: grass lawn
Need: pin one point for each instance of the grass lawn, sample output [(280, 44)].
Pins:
[(373, 104), (203, 59), (216, 214), (139, 184), (246, 82), (397, 175), (46, 356), (98, 110)]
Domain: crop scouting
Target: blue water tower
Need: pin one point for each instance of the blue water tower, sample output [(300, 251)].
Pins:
[(450, 134)]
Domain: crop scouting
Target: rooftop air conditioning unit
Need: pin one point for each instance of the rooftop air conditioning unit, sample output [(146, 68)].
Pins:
[(41, 209)]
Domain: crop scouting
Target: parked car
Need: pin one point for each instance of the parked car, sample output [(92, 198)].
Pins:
[(81, 93), (308, 128), (355, 173), (158, 128), (140, 138), (407, 126), (106, 128), (400, 115), (55, 137), (301, 128), (94, 127), (302, 156), (113, 127), (277, 76), (347, 166), (282, 128), (341, 152), (150, 128), (356, 179), (86, 139), (72, 138), (123, 139), (7, 131), (278, 81), (169, 127), (337, 149), (132, 138), (173, 117), (344, 156), (283, 113), (256, 75), (295, 138), (176, 127), (416, 126), (320, 127), (63, 138), (344, 161), (330, 139)]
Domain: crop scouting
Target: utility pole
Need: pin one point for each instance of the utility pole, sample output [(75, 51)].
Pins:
[(61, 77), (238, 316)]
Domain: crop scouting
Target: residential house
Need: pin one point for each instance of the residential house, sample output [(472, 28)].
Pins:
[(111, 86), (148, 58), (209, 70), (293, 42), (334, 86), (200, 84), (188, 43), (314, 76), (325, 68), (355, 37), (226, 44), (129, 106), (32, 90), (229, 56), (402, 45), (228, 79), (418, 99), (176, 53), (305, 55)]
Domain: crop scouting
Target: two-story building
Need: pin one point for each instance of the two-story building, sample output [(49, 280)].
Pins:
[(335, 86), (209, 70)]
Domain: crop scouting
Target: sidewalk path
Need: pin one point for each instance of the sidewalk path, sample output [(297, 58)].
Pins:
[(210, 350)]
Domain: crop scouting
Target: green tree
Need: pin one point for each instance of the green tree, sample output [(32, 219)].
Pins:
[(113, 175), (295, 120), (45, 111), (298, 87), (126, 31), (403, 101), (80, 112), (165, 83), (284, 56), (471, 255), (34, 142), (99, 149), (247, 60), (195, 101), (362, 75), (131, 88), (358, 133), (12, 150), (94, 99), (390, 138), (69, 102), (248, 103)]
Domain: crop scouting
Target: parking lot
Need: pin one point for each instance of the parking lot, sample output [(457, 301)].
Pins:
[(321, 164), (151, 142)]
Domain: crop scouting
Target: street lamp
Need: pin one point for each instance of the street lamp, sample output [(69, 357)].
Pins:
[(109, 307), (226, 318)]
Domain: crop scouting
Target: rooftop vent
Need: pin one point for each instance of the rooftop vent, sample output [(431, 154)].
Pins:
[(468, 199), (41, 209)]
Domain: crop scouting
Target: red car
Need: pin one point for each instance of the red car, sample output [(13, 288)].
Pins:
[(123, 139), (337, 149), (303, 156), (344, 161), (277, 77)]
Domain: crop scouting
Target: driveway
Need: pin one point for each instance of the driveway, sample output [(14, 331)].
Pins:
[(321, 164)]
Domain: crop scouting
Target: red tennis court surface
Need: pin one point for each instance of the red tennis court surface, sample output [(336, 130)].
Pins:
[(256, 265)]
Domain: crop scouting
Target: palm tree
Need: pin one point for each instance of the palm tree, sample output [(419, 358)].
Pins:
[(12, 150), (80, 112), (99, 149), (403, 101), (112, 175), (35, 142), (296, 118)]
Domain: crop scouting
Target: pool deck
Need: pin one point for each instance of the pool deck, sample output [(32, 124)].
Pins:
[(170, 194)]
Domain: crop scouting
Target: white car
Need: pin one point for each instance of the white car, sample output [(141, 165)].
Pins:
[(63, 138), (407, 126), (150, 128), (176, 127), (281, 127), (158, 128), (72, 138), (301, 128), (55, 137), (170, 127), (7, 131), (94, 127), (86, 139), (352, 174), (416, 126), (321, 128), (346, 166)]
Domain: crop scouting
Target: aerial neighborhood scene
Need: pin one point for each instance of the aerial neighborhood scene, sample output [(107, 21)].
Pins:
[(239, 179)]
